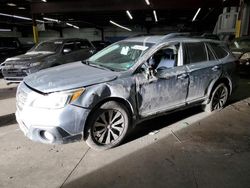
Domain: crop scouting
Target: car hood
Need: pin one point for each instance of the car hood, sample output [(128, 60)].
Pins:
[(69, 76), (28, 57)]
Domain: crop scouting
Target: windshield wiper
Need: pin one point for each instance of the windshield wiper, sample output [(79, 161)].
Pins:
[(99, 66), (87, 62)]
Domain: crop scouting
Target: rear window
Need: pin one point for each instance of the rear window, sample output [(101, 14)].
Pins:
[(196, 52), (219, 50)]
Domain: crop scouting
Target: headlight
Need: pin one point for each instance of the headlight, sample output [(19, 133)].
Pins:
[(57, 100), (245, 56), (35, 64)]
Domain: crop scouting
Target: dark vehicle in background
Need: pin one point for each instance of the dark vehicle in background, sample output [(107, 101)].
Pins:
[(100, 44), (241, 49), (9, 47), (101, 99), (44, 55)]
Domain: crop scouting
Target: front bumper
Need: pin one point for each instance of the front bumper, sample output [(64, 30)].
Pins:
[(14, 75), (64, 125)]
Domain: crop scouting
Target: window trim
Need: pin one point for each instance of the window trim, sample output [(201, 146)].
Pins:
[(208, 48)]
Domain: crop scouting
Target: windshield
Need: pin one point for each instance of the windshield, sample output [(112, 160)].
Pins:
[(47, 47), (240, 44), (120, 56)]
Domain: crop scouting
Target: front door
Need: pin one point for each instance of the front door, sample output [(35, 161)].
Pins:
[(166, 88)]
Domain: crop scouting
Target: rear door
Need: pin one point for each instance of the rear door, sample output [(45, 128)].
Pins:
[(203, 69)]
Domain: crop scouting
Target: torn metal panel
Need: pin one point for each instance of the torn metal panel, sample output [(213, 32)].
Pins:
[(157, 94)]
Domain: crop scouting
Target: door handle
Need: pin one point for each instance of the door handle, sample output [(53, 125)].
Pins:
[(182, 76), (216, 68)]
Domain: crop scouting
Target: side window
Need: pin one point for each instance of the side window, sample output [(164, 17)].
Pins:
[(166, 57), (196, 52), (68, 47), (219, 51), (82, 45)]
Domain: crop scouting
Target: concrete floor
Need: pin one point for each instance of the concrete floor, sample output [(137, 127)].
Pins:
[(185, 149)]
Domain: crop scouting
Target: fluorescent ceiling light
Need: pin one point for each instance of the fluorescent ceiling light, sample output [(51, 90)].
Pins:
[(21, 8), (19, 17), (4, 30), (147, 1), (155, 16), (15, 16), (44, 1), (51, 19), (129, 15), (196, 14), (118, 25), (71, 25), (76, 27), (41, 21), (11, 4), (68, 24)]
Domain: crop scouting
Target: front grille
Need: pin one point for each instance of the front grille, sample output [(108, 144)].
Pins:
[(14, 72), (21, 99)]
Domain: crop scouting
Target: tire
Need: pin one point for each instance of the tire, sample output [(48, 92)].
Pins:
[(218, 99), (108, 126)]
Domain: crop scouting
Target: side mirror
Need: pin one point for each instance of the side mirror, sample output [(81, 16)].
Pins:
[(92, 51), (66, 50), (147, 70)]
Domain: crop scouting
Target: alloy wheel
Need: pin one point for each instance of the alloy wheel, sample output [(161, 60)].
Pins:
[(108, 127), (220, 98)]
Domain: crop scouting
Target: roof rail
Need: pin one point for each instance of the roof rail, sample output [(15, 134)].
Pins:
[(140, 35), (172, 35)]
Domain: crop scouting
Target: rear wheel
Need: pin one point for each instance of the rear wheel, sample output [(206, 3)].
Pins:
[(108, 126), (218, 99)]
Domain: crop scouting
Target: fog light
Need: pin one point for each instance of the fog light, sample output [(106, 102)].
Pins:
[(47, 136)]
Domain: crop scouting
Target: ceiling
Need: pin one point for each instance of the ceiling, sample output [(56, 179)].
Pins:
[(96, 13)]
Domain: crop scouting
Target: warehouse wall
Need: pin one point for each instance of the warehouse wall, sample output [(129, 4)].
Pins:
[(10, 34), (88, 33), (110, 33)]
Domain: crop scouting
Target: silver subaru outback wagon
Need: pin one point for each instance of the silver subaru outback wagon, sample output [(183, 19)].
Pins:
[(100, 99)]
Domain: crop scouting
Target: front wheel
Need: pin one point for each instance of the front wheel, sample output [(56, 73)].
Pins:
[(108, 126), (218, 99)]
